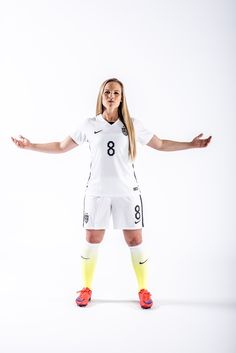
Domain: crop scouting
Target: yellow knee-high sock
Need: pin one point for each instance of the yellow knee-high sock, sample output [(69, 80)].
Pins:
[(139, 261), (89, 261)]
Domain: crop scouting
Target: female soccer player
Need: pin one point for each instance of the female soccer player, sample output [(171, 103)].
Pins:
[(112, 187)]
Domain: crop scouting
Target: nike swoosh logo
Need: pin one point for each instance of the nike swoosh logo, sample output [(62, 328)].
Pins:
[(137, 221), (97, 131), (141, 263), (85, 258)]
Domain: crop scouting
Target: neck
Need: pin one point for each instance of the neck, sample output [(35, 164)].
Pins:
[(110, 115)]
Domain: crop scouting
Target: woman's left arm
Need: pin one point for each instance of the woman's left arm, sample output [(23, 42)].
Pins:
[(168, 145)]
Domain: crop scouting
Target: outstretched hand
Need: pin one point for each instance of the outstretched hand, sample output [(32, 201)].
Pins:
[(198, 142), (22, 142)]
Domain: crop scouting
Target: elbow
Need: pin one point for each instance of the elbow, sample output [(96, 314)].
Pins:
[(61, 147), (66, 145), (156, 143), (160, 145)]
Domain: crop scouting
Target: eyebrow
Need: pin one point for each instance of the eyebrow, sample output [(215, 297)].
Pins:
[(116, 90)]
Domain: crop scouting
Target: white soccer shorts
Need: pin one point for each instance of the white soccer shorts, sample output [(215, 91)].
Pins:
[(126, 211)]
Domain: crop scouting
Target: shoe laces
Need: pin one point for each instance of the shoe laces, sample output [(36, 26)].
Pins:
[(84, 292)]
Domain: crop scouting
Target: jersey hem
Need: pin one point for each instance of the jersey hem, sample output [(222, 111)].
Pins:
[(112, 195)]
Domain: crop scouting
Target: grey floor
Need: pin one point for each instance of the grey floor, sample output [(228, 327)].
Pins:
[(41, 323)]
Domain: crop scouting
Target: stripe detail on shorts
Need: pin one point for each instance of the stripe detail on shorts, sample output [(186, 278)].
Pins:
[(141, 202), (83, 209)]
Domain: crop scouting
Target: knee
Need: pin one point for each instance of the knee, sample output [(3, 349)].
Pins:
[(133, 237), (134, 241), (93, 240), (94, 237)]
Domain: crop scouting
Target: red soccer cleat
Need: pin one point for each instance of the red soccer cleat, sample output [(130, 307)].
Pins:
[(145, 299), (84, 297)]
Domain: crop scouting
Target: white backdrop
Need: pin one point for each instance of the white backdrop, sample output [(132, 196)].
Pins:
[(177, 62)]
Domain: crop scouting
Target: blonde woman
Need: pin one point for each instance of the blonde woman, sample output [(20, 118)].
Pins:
[(112, 187)]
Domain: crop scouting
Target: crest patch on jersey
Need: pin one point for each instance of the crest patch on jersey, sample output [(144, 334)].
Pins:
[(86, 217), (124, 131)]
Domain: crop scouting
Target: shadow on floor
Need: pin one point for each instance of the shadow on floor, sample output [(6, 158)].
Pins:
[(115, 301), (126, 302), (170, 302), (204, 303)]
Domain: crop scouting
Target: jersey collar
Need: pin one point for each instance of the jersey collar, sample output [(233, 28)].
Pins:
[(100, 117)]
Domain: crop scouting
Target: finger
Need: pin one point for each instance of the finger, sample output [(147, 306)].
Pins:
[(200, 135), (208, 140), (14, 140), (17, 142)]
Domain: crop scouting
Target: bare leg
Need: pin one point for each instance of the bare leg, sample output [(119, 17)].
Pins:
[(94, 236), (133, 236)]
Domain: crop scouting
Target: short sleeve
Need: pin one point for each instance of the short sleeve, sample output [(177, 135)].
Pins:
[(142, 134), (80, 134)]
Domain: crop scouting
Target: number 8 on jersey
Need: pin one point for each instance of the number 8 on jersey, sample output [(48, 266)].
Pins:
[(111, 150)]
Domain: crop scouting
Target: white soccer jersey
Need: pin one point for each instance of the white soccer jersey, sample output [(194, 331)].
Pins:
[(111, 170)]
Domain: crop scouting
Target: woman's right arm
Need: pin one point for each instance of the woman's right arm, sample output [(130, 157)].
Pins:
[(52, 147)]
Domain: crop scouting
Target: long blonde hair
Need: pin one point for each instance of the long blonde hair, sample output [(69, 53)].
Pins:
[(123, 115)]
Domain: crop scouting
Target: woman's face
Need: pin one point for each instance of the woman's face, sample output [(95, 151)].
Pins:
[(111, 96)]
